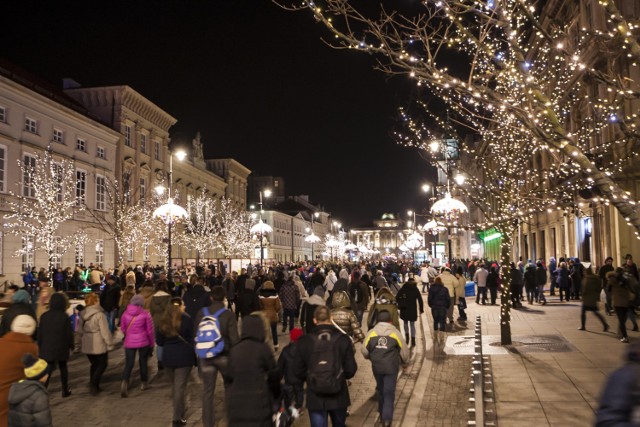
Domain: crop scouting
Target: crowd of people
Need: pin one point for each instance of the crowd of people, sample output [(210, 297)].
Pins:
[(228, 323)]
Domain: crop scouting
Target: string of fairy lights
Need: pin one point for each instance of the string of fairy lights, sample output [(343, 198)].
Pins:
[(549, 95)]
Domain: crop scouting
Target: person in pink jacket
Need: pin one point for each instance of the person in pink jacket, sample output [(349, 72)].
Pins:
[(137, 326)]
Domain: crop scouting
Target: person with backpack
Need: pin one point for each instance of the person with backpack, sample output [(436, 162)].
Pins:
[(384, 301), (359, 292), (139, 337), (386, 349), (174, 333), (326, 361), (213, 350), (409, 301), (590, 296)]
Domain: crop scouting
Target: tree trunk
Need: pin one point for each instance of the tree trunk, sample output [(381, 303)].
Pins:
[(505, 297)]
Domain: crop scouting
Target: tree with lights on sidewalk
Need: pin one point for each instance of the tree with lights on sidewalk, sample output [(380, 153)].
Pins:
[(48, 200), (232, 225), (199, 228), (549, 89)]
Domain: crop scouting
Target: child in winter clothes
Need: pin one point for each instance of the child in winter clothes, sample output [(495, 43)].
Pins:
[(292, 388), (28, 399)]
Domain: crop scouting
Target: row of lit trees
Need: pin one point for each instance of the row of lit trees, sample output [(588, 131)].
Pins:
[(51, 201)]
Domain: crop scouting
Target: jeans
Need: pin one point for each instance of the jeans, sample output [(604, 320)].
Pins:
[(386, 391), (541, 297), (439, 317), (293, 394), (359, 315), (462, 304), (159, 353), (111, 320), (130, 359), (410, 324), (450, 309), (99, 363), (64, 373), (320, 418), (583, 316), (631, 315), (179, 377), (291, 315), (494, 294), (274, 333), (208, 370), (482, 290), (622, 313)]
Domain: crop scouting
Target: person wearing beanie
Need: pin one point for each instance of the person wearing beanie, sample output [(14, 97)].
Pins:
[(20, 304), (28, 398), (95, 339), (292, 389), (271, 306), (139, 337), (13, 345)]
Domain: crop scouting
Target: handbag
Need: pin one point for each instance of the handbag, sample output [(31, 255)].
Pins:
[(129, 325)]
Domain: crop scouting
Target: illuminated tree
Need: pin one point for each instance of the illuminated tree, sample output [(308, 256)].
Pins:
[(549, 93), (232, 230), (199, 229), (48, 200)]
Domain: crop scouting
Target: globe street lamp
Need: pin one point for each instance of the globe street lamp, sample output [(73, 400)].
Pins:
[(261, 228), (312, 238), (170, 213)]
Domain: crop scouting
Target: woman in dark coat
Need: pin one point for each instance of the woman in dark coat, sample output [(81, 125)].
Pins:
[(175, 334), (252, 374), (55, 339), (562, 277), (530, 283), (409, 299)]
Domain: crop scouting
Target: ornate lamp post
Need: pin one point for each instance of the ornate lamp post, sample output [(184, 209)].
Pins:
[(261, 228), (170, 213)]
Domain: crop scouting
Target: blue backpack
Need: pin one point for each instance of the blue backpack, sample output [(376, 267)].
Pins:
[(209, 342)]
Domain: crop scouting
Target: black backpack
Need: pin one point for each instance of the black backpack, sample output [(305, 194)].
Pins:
[(402, 299), (326, 376)]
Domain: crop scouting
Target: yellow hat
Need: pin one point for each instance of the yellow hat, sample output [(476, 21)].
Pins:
[(34, 368)]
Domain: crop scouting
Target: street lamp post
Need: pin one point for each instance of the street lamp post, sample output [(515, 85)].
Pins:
[(312, 238), (170, 213), (261, 228)]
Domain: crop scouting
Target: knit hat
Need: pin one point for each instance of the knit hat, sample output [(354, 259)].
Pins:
[(268, 285), (137, 300), (34, 368), (23, 324), (319, 291), (295, 334), (21, 297)]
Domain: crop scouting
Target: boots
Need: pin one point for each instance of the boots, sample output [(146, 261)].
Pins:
[(124, 388), (413, 341)]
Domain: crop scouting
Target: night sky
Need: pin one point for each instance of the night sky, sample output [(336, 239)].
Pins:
[(255, 80)]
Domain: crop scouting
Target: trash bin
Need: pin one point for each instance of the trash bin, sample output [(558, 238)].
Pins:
[(470, 289)]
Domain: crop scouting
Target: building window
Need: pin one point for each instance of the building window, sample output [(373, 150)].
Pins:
[(143, 188), (57, 169), (29, 168), (100, 153), (81, 187), (127, 135), (101, 184), (31, 125), (3, 115), (143, 143), (99, 252), (27, 249), (56, 259), (58, 136), (145, 248), (130, 253), (81, 144), (3, 169), (157, 150), (79, 253)]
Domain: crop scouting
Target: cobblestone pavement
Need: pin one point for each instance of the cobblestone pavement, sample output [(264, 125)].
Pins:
[(153, 407)]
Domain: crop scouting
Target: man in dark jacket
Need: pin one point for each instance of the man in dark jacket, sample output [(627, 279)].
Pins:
[(290, 298), (195, 299), (208, 368), (619, 400), (591, 288), (439, 301), (541, 280), (321, 406), (109, 300), (602, 272), (359, 292), (248, 300)]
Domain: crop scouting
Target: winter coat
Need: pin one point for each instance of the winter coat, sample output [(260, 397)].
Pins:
[(29, 405), (286, 363), (95, 277), (450, 282), (344, 317), (110, 297), (137, 326), (228, 325), (306, 313), (461, 287), (270, 304), (195, 299), (55, 335), (342, 285), (379, 282), (229, 289), (591, 287), (619, 398), (438, 297), (159, 302), (13, 346), (530, 278), (619, 293), (516, 279), (480, 277), (11, 313), (93, 329), (303, 292), (409, 299), (386, 349), (178, 350), (384, 301), (251, 374), (492, 280), (289, 295), (562, 278), (363, 294), (541, 276), (248, 300), (344, 352)]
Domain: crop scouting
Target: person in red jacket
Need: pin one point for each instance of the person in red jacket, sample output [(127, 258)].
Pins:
[(139, 337)]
